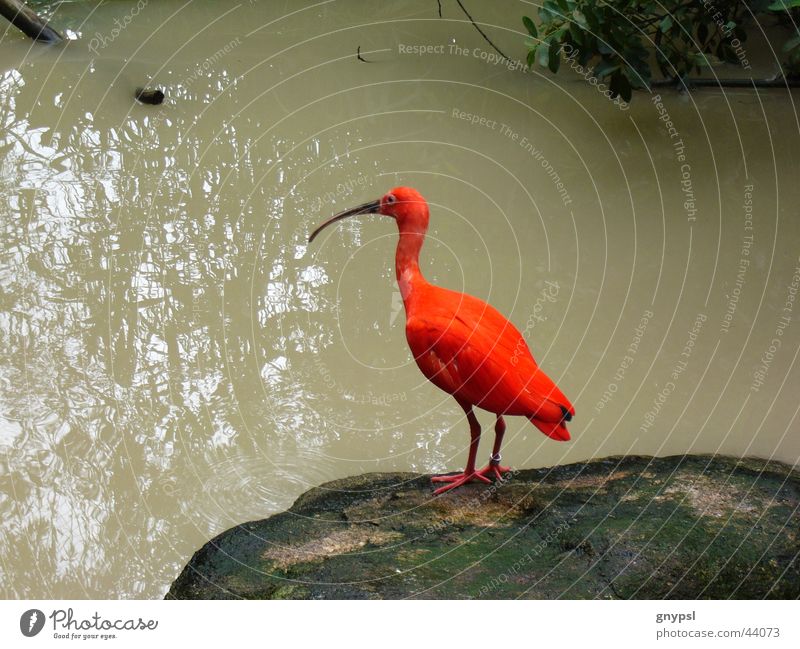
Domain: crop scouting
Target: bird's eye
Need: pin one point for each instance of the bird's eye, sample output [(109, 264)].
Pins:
[(391, 199)]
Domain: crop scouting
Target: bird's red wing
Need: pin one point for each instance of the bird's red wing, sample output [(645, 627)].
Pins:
[(495, 330), (473, 362), (493, 340)]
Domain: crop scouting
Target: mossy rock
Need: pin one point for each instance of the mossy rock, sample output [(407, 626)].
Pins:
[(683, 527)]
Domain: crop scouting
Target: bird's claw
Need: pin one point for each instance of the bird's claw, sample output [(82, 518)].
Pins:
[(458, 479), (494, 470)]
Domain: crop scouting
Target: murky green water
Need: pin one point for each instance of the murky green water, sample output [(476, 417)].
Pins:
[(176, 360)]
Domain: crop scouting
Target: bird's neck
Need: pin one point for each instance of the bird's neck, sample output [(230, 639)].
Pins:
[(406, 262)]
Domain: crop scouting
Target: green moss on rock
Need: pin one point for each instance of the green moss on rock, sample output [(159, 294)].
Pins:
[(682, 527)]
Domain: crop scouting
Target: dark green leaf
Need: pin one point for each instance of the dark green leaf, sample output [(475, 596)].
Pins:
[(577, 35), (543, 54), (620, 86), (580, 18), (554, 56), (530, 26), (591, 19), (784, 5), (702, 33), (604, 68), (550, 12), (729, 54)]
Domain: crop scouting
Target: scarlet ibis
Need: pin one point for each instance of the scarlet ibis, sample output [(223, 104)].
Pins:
[(465, 346)]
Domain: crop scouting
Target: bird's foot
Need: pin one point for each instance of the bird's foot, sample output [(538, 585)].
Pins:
[(494, 470), (457, 479)]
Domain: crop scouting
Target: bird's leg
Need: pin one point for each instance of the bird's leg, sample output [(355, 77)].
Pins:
[(493, 468), (469, 473)]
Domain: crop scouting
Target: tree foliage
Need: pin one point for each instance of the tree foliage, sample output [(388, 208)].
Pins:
[(626, 41)]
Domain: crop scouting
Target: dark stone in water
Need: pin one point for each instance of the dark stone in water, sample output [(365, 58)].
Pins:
[(682, 527), (150, 95)]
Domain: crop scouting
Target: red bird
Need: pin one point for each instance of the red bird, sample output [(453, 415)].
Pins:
[(464, 346)]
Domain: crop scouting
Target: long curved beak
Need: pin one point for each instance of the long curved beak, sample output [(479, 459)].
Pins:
[(373, 207)]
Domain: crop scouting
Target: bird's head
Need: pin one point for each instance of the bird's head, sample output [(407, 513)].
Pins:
[(404, 204)]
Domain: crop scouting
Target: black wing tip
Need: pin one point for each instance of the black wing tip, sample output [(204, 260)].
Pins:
[(567, 416)]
